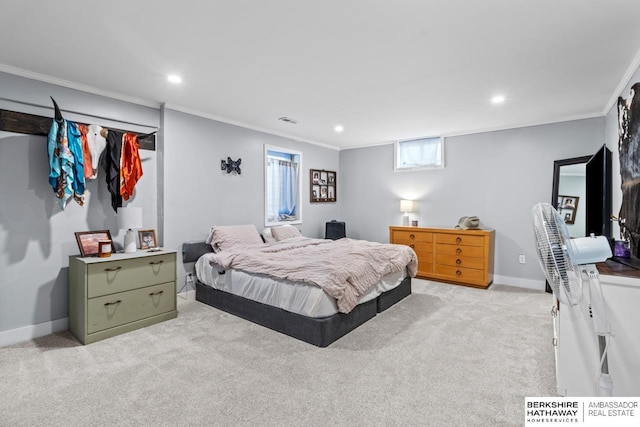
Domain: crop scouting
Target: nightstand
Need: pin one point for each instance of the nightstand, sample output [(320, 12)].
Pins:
[(110, 296)]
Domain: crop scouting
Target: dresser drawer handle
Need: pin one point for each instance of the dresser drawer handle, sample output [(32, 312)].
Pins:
[(412, 236), (412, 246), (156, 293), (458, 240), (458, 251), (458, 261), (458, 273), (107, 304), (156, 262), (113, 269)]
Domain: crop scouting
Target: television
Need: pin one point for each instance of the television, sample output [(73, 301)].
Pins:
[(598, 194)]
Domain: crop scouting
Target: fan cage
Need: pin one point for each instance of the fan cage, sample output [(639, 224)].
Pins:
[(554, 254)]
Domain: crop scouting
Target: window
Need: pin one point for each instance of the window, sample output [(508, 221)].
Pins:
[(420, 153), (282, 186)]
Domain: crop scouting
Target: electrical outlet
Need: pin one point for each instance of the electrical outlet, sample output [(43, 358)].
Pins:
[(521, 259)]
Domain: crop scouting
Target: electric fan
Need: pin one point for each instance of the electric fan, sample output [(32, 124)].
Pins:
[(564, 262)]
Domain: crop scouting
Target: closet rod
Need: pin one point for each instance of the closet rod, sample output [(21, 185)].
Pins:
[(49, 107), (31, 124)]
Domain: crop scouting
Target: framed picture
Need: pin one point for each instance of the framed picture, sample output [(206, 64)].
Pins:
[(147, 239), (88, 241), (568, 206), (323, 187)]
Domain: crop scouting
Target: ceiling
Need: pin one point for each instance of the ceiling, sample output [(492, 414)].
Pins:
[(385, 70)]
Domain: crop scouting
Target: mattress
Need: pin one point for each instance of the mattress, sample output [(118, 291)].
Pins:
[(302, 298)]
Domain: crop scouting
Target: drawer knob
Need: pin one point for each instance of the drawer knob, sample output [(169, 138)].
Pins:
[(113, 269), (412, 236), (156, 293), (458, 240), (412, 246), (458, 261), (458, 273), (106, 304), (156, 262), (458, 251)]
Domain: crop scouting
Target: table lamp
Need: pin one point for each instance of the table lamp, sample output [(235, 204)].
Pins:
[(128, 219), (406, 206)]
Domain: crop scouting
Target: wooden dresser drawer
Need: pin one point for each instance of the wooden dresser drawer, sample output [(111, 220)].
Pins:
[(467, 275), (459, 239), (460, 261), (119, 275), (401, 236), (113, 310), (474, 251)]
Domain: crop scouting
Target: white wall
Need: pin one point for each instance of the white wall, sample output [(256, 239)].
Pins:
[(497, 176)]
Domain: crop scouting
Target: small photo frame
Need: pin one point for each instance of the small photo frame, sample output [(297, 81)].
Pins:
[(88, 241), (147, 239), (568, 206)]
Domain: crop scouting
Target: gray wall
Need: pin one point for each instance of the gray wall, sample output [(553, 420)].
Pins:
[(36, 236), (183, 193), (198, 195), (497, 176)]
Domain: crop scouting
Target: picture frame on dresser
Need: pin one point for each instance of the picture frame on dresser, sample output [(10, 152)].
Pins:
[(147, 239), (88, 241)]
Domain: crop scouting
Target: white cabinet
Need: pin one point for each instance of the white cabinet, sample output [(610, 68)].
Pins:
[(577, 353)]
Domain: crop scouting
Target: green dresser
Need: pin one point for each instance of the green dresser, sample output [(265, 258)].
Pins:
[(120, 293)]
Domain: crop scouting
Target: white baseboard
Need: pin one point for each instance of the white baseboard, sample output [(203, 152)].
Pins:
[(537, 285), (30, 332)]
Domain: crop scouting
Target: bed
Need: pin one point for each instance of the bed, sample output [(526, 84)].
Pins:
[(305, 299)]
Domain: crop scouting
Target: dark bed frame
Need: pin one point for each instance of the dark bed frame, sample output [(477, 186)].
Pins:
[(317, 331)]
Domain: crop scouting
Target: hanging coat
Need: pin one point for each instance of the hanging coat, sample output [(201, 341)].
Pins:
[(86, 154), (111, 165), (130, 165), (65, 160)]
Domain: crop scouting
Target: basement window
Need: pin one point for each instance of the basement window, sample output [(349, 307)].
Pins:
[(422, 153)]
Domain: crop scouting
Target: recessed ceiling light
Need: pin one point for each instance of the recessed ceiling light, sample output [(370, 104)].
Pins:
[(498, 99), (174, 78), (338, 128)]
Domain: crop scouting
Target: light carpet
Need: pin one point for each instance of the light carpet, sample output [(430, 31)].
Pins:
[(445, 356)]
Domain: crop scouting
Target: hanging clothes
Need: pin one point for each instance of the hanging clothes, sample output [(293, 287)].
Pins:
[(111, 165), (97, 142), (86, 154), (66, 174), (130, 165)]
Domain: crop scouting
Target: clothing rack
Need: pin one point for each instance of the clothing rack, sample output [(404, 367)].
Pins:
[(31, 124)]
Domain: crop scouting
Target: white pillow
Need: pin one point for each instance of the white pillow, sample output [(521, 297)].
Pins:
[(284, 232), (226, 236), (267, 236)]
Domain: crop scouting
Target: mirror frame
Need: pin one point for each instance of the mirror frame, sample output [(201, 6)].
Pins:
[(557, 164), (556, 174)]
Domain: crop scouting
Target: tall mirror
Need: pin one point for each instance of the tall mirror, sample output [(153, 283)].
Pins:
[(569, 193)]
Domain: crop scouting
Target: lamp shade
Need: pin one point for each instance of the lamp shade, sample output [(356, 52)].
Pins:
[(129, 218), (406, 206)]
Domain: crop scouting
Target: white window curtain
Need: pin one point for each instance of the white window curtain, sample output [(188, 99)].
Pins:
[(282, 195), (419, 153)]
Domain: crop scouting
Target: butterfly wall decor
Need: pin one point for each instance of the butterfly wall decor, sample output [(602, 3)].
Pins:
[(230, 165)]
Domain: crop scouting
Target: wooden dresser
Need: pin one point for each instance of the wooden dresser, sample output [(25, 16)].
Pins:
[(448, 254), (120, 293)]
